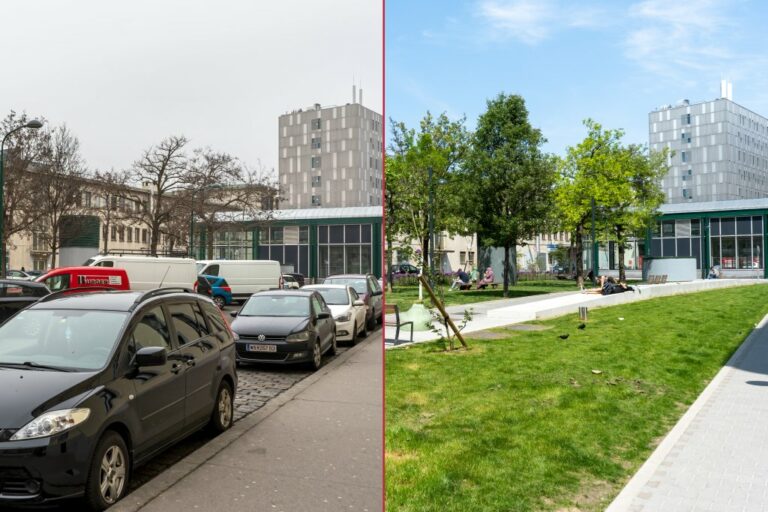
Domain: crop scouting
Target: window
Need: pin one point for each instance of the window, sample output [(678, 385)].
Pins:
[(212, 270), (315, 200), (315, 163), (316, 181), (683, 156), (143, 236), (304, 234), (121, 233), (137, 232), (215, 320), (316, 142), (87, 199), (462, 257), (316, 124), (185, 323), (152, 331), (130, 235), (114, 234)]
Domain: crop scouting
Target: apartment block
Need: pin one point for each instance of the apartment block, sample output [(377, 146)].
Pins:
[(331, 157), (720, 150)]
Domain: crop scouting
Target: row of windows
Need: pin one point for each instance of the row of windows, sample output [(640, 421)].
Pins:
[(127, 234), (717, 227)]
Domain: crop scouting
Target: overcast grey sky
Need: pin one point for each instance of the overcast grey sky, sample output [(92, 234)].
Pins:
[(124, 75)]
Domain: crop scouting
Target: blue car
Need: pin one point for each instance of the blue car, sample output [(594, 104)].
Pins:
[(221, 293)]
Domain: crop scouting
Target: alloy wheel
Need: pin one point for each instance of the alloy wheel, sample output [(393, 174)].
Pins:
[(112, 474)]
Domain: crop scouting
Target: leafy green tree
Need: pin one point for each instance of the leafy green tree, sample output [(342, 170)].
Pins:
[(439, 145), (508, 180), (621, 180)]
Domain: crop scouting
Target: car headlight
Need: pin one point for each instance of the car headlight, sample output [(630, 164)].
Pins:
[(345, 317), (298, 336), (51, 423)]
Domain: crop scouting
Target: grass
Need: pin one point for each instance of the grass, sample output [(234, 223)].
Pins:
[(522, 423), (405, 296)]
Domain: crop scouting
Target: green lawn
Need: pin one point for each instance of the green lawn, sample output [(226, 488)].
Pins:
[(522, 423), (405, 296)]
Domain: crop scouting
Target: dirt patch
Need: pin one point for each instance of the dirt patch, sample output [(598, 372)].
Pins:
[(416, 398), (397, 457), (412, 366), (488, 335), (593, 495)]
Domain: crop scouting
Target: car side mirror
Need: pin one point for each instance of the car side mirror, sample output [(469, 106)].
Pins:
[(358, 302), (151, 356), (377, 292), (323, 314), (233, 314)]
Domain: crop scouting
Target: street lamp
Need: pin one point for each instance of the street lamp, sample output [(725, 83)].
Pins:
[(34, 124)]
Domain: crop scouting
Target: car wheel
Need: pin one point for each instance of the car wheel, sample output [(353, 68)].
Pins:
[(317, 356), (334, 347), (355, 334), (109, 473), (219, 301), (371, 323), (221, 418)]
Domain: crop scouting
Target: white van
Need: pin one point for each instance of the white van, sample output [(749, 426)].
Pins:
[(148, 272), (245, 277)]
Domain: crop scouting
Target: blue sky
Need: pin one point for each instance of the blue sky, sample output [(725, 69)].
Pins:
[(611, 61)]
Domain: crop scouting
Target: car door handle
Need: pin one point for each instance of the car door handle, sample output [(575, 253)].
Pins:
[(176, 368), (191, 361)]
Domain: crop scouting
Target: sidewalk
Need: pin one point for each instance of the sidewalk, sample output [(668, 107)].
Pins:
[(316, 447), (716, 457), (498, 313)]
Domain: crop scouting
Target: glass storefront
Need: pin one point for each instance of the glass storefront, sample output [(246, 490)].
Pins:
[(677, 238), (737, 242), (344, 249), (233, 245), (287, 244)]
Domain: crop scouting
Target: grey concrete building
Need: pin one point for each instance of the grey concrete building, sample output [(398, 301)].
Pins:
[(720, 150), (331, 157)]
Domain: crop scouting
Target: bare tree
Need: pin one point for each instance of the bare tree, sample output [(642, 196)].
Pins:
[(23, 150), (162, 170), (222, 190), (59, 184), (112, 191)]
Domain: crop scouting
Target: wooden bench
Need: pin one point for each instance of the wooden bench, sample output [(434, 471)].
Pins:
[(393, 309)]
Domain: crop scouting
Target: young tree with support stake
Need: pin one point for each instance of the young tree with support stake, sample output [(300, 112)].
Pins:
[(508, 181)]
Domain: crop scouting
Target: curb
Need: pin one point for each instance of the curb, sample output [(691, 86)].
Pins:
[(169, 477)]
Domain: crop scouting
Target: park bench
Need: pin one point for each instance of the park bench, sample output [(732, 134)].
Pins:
[(657, 279), (393, 309)]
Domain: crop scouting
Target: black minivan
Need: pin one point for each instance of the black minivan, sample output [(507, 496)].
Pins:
[(94, 383)]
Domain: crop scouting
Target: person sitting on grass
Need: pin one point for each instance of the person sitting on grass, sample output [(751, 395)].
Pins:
[(609, 286), (462, 280), (486, 280)]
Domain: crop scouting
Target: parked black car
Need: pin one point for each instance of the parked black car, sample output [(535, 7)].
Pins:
[(284, 327), (369, 289), (15, 295), (93, 384), (404, 268)]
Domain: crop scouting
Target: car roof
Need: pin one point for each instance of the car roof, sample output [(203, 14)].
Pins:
[(347, 276), (18, 282), (335, 286), (300, 292), (75, 298)]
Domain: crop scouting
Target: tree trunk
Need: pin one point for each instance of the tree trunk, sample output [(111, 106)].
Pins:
[(579, 249), (390, 287), (425, 255), (506, 270), (154, 238), (513, 265), (620, 242)]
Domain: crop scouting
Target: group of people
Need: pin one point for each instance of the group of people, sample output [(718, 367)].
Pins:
[(608, 285), (463, 281)]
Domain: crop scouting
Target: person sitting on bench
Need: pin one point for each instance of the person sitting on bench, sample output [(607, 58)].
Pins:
[(461, 281), (486, 280)]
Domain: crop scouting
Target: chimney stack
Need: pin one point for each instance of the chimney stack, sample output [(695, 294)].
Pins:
[(361, 95)]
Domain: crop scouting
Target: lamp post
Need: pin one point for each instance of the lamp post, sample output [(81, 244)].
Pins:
[(34, 124)]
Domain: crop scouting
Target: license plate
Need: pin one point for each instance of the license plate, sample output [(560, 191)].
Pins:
[(262, 348)]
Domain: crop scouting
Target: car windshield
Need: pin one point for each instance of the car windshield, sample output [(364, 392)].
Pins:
[(334, 296), (69, 339), (276, 305), (200, 266), (355, 282)]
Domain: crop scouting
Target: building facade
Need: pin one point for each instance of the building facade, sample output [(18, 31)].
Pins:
[(330, 157), (720, 151), (316, 242)]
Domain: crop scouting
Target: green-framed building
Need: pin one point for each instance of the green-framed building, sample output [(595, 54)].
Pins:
[(316, 242), (731, 234)]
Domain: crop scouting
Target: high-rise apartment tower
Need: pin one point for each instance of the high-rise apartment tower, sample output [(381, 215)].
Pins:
[(331, 156)]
